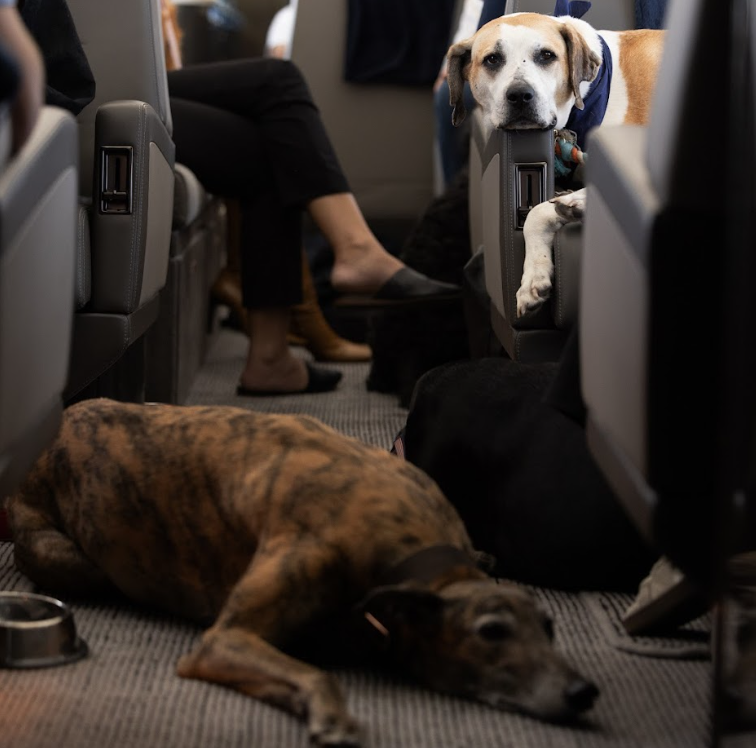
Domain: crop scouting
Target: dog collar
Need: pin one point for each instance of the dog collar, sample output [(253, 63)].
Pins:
[(429, 564), (595, 101), (424, 566)]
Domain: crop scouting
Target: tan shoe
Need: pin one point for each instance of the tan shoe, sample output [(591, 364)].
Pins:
[(310, 327)]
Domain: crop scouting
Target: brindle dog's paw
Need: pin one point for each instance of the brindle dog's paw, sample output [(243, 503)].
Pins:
[(333, 731), (533, 292)]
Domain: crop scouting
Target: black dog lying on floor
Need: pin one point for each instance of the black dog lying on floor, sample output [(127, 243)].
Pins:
[(409, 340), (519, 473)]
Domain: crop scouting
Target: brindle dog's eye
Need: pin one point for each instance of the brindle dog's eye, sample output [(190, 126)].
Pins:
[(493, 60), (493, 629), (546, 55)]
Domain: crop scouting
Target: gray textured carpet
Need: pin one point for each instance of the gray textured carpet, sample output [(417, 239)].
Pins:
[(125, 694), (373, 417)]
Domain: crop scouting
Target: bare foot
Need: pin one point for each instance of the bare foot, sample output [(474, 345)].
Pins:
[(284, 374), (363, 269)]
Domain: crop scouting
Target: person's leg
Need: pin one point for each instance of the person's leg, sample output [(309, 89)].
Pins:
[(453, 142), (361, 264), (446, 133), (273, 95), (271, 285), (270, 364), (305, 170), (220, 148)]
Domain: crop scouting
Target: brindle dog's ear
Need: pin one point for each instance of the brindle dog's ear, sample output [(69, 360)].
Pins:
[(583, 62), (458, 58), (396, 606)]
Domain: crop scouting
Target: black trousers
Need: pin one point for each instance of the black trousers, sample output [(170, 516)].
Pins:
[(250, 130)]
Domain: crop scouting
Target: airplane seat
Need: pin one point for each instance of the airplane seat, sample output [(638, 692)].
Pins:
[(152, 239), (665, 346), (126, 187), (38, 242)]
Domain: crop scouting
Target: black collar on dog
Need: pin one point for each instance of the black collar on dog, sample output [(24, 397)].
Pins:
[(424, 566), (428, 564)]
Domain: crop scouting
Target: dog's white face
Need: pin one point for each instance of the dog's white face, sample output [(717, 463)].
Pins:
[(525, 71)]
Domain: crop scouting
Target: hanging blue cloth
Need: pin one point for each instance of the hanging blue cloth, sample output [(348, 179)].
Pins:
[(491, 9), (649, 14), (574, 8), (401, 42)]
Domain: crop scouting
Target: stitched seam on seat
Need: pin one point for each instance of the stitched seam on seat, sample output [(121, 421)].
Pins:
[(509, 234), (136, 234), (557, 264), (81, 243), (155, 78)]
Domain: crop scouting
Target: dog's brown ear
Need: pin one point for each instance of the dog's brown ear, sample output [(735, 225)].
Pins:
[(397, 606), (584, 63), (458, 58)]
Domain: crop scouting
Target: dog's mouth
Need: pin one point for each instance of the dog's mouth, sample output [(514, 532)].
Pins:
[(557, 711), (528, 122), (561, 716)]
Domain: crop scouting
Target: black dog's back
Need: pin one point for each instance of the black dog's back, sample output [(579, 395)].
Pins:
[(520, 475)]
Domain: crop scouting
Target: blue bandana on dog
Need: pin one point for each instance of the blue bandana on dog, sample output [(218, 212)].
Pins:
[(597, 98)]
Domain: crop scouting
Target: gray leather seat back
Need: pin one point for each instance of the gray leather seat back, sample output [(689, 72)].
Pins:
[(123, 43), (652, 418), (38, 213), (676, 176), (127, 154)]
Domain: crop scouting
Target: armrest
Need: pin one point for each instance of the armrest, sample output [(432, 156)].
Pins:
[(517, 170), (132, 209)]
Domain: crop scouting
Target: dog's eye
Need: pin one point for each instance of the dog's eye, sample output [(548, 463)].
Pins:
[(546, 55), (493, 60), (493, 628)]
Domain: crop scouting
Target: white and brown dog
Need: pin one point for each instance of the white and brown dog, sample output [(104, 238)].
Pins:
[(533, 71)]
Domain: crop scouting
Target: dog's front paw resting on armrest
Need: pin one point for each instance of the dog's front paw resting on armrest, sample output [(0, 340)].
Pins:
[(540, 228)]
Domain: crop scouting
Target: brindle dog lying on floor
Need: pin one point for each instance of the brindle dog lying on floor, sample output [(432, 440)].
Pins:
[(267, 526)]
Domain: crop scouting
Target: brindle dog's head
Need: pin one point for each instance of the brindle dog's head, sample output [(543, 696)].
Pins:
[(484, 641)]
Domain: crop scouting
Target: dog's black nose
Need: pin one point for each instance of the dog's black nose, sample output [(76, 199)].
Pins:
[(580, 695), (520, 94)]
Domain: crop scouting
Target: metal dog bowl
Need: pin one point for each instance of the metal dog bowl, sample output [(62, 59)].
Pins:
[(37, 631)]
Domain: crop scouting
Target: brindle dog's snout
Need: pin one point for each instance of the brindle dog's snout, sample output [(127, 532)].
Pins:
[(520, 95), (580, 695)]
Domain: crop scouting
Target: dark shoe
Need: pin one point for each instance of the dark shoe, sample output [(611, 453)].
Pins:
[(405, 286), (319, 380)]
